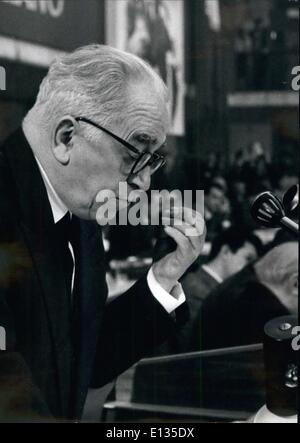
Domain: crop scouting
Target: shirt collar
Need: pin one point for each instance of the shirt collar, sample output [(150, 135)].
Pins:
[(212, 273), (59, 209)]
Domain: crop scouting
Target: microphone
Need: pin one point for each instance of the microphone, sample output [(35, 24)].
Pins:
[(268, 211), (291, 200)]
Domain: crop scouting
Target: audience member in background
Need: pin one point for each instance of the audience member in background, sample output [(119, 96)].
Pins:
[(236, 312), (222, 182), (240, 203), (210, 168), (281, 236), (216, 209), (237, 165), (285, 181), (256, 170), (231, 251)]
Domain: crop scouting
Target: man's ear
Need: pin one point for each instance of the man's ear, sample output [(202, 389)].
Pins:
[(63, 139)]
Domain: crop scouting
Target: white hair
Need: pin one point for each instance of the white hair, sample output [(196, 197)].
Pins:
[(92, 81), (278, 265)]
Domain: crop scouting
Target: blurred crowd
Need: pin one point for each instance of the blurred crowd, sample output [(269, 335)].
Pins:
[(229, 193), (237, 290), (249, 277), (245, 276)]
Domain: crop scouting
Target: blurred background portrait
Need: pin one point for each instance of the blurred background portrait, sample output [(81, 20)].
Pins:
[(154, 31)]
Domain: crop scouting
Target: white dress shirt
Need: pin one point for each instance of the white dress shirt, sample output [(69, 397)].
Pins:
[(170, 302)]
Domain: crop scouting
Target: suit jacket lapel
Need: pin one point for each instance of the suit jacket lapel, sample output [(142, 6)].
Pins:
[(36, 220)]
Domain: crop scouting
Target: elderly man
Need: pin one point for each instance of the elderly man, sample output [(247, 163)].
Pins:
[(99, 118)]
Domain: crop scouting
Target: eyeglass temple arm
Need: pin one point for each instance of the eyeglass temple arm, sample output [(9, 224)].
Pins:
[(120, 140)]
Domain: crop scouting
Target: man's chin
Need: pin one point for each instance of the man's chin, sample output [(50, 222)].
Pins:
[(84, 215)]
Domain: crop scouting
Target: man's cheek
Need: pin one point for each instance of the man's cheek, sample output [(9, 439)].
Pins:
[(107, 207)]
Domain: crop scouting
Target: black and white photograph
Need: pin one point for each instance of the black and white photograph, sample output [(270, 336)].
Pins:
[(149, 214)]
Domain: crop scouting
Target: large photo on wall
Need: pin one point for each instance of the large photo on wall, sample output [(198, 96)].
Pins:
[(153, 30)]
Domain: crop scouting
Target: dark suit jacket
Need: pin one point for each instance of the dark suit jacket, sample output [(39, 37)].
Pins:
[(55, 353), (198, 285)]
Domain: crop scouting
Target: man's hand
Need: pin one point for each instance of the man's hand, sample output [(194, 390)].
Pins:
[(188, 231)]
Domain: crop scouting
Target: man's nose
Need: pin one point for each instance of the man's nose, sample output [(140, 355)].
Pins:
[(142, 180)]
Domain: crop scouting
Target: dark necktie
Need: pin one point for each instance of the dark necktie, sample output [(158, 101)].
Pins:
[(69, 233)]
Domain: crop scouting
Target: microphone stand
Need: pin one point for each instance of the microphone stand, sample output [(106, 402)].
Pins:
[(281, 368), (290, 224)]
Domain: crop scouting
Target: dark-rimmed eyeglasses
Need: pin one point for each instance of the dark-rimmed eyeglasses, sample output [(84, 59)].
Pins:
[(145, 159)]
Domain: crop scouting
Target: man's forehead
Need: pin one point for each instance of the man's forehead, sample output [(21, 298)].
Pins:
[(147, 105), (148, 97), (146, 116)]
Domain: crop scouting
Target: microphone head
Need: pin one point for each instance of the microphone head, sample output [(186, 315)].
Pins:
[(267, 210), (291, 200)]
